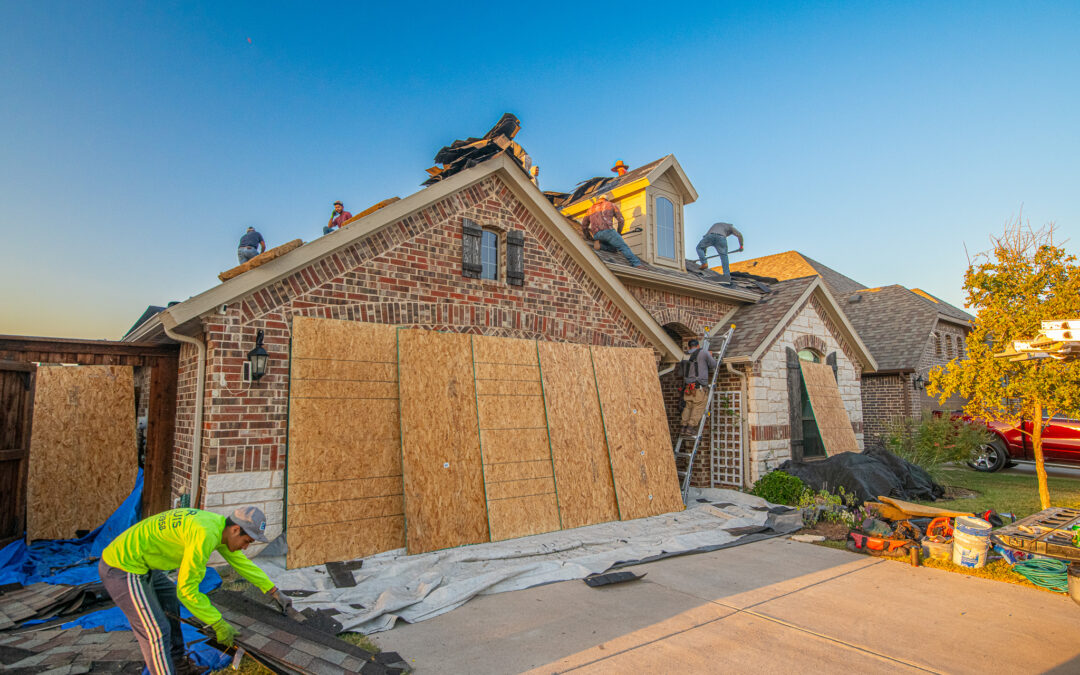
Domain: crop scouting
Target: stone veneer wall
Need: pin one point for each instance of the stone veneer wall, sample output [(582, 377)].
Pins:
[(409, 274), (770, 439)]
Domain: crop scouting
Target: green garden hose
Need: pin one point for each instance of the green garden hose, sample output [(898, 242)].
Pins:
[(1049, 574)]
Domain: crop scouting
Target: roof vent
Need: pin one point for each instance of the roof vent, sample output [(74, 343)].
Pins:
[(854, 297), (620, 168)]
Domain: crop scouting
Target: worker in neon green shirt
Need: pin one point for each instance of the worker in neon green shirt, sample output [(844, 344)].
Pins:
[(133, 571)]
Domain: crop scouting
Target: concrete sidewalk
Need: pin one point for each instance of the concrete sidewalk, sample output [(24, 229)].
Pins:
[(771, 606)]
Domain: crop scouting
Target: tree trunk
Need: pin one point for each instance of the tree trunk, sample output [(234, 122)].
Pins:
[(1036, 446)]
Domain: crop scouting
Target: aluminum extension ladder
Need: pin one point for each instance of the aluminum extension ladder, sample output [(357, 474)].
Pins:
[(684, 475)]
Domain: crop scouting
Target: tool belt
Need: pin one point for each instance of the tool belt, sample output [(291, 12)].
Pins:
[(689, 388)]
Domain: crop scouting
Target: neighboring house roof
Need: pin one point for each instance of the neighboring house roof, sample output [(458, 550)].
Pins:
[(150, 311), (794, 265), (895, 322), (948, 311), (185, 317), (599, 185), (758, 325)]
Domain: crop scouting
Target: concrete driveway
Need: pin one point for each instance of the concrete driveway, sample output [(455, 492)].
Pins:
[(771, 606)]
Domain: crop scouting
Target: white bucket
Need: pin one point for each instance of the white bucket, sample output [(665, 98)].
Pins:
[(971, 540)]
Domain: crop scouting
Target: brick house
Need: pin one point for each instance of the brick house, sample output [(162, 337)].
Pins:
[(534, 277), (908, 331)]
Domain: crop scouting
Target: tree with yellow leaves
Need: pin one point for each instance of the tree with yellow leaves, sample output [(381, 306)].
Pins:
[(1025, 279)]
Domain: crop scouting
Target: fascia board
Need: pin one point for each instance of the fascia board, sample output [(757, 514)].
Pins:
[(841, 320)]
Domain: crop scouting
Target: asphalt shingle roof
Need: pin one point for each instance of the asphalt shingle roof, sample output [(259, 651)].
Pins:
[(753, 323), (600, 184), (893, 322), (742, 282)]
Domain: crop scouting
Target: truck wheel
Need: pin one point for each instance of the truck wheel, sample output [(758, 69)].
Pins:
[(989, 456)]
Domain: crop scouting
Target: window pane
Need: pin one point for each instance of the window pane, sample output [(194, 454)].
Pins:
[(665, 228), (809, 355), (489, 255)]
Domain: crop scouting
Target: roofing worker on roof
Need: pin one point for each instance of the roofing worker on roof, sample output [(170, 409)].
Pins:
[(717, 238), (248, 243), (133, 570), (337, 218), (603, 223)]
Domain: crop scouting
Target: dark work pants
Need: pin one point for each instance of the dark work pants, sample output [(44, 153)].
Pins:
[(144, 599)]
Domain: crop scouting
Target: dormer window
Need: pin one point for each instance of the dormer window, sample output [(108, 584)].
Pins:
[(665, 228)]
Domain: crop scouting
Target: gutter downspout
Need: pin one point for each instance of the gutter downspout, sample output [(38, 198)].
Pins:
[(200, 391), (743, 388)]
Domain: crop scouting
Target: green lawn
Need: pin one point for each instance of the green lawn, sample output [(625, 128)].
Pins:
[(1005, 493)]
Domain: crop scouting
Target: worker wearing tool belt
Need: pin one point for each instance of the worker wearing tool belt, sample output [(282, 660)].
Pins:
[(602, 225), (133, 570), (695, 383)]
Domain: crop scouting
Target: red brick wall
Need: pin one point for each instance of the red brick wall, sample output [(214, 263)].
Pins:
[(185, 420), (696, 314), (409, 274), (884, 398)]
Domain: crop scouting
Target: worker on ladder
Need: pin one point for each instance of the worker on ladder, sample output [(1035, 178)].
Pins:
[(695, 370)]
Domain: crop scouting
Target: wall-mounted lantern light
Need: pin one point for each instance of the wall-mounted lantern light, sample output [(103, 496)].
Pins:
[(257, 358)]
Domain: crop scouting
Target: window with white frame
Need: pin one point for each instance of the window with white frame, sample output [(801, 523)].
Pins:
[(665, 228), (489, 255)]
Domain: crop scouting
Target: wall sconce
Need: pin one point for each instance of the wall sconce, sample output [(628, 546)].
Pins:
[(920, 382), (257, 358)]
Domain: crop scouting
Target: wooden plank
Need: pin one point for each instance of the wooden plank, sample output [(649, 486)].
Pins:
[(16, 397), (344, 480), (639, 444), (586, 493), (160, 433), (829, 412), (440, 442), (41, 348), (83, 456), (523, 487)]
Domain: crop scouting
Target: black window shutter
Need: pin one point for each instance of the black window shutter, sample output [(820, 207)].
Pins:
[(794, 390), (515, 257), (470, 248), (830, 360)]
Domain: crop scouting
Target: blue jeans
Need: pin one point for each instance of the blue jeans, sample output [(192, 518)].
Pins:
[(326, 229), (246, 253), (719, 242), (610, 240)]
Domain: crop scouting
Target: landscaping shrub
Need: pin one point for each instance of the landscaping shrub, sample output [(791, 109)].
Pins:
[(779, 488), (932, 441)]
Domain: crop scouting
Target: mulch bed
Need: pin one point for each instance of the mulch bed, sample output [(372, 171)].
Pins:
[(831, 531)]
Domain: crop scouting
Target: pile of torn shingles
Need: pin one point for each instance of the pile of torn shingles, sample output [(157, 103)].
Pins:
[(41, 602), (66, 652), (461, 155), (292, 647)]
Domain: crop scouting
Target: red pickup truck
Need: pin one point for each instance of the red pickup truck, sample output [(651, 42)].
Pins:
[(1061, 443)]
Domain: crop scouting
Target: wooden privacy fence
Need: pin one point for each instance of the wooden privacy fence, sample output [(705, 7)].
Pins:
[(427, 440)]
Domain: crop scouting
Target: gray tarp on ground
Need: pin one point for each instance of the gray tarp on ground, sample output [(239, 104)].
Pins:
[(392, 585)]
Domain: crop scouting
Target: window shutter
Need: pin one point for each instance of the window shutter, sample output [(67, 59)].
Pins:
[(515, 257), (470, 248), (830, 360), (794, 390)]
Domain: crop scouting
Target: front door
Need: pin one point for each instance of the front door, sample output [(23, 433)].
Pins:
[(16, 404)]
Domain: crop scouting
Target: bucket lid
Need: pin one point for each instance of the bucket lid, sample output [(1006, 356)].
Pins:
[(970, 525)]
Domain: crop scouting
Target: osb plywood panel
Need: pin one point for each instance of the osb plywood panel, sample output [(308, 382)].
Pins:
[(639, 445), (83, 455), (579, 451), (520, 489), (832, 418), (344, 461), (440, 442)]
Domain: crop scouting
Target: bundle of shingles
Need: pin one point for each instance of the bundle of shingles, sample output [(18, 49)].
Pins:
[(19, 604), (461, 155), (70, 651), (291, 647)]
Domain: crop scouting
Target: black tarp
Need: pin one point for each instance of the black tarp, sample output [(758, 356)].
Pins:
[(873, 473)]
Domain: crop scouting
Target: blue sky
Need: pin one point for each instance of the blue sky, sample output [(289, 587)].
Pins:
[(140, 139)]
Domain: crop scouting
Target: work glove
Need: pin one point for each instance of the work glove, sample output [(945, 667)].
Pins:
[(224, 631), (283, 601)]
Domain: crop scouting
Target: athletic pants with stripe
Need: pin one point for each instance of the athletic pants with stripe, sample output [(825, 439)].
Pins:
[(144, 599)]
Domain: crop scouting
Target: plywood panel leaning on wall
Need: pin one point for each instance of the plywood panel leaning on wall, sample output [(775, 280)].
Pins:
[(579, 452), (440, 442), (518, 477), (642, 460), (83, 454), (832, 418), (344, 490)]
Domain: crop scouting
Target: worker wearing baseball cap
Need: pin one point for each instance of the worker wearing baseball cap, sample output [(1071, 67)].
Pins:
[(337, 218), (133, 571)]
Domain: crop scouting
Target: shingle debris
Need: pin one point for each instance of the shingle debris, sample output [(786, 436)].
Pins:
[(465, 154)]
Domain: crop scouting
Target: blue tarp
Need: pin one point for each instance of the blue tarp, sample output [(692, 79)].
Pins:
[(74, 562), (68, 561)]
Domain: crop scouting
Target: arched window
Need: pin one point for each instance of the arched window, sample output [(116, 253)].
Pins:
[(489, 255), (665, 228), (809, 355)]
